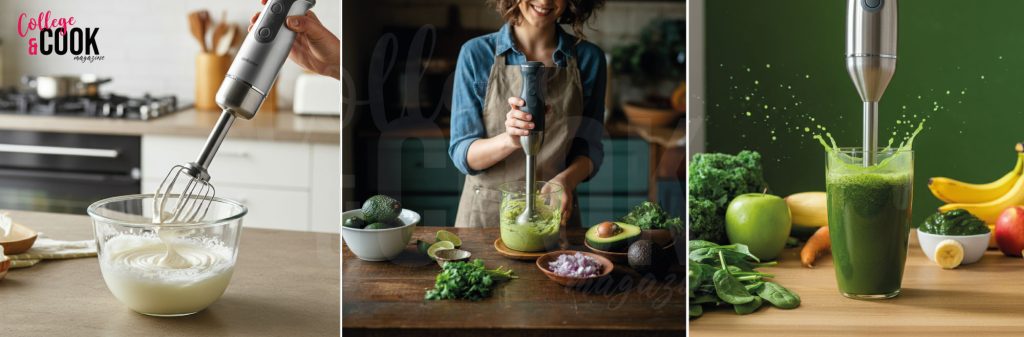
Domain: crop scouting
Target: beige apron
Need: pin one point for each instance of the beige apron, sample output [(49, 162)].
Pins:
[(481, 195)]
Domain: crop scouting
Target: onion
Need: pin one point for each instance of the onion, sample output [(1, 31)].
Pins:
[(575, 266)]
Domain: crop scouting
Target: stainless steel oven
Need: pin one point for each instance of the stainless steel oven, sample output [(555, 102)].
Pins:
[(65, 172)]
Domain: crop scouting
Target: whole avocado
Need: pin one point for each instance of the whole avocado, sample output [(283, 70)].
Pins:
[(354, 222), (641, 256), (381, 208), (377, 225)]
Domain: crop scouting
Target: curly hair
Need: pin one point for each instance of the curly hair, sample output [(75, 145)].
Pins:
[(576, 15)]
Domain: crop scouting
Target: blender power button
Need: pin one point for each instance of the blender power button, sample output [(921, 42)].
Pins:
[(264, 32), (276, 8)]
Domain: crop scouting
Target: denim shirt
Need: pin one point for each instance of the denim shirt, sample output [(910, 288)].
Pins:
[(470, 87)]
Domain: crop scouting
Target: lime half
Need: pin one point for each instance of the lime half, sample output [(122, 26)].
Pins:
[(443, 235), (439, 246)]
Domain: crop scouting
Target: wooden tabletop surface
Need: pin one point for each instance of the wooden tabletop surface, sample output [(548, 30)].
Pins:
[(984, 298), (386, 298), (285, 284)]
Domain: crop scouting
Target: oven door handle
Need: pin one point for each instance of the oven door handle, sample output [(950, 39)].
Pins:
[(68, 176), (60, 151)]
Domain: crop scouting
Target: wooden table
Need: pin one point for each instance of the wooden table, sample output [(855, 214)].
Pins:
[(985, 298), (285, 284), (386, 299)]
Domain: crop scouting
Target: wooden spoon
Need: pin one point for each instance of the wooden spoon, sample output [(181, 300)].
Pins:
[(19, 240), (219, 31), (204, 18), (195, 25)]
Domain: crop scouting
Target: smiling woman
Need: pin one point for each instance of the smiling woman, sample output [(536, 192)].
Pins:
[(576, 12), (491, 122)]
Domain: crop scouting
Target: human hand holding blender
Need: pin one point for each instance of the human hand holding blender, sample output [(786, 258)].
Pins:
[(315, 49)]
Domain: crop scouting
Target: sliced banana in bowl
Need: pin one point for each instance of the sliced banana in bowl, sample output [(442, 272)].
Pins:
[(949, 254)]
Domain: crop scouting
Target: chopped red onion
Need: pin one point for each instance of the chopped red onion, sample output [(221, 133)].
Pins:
[(575, 265)]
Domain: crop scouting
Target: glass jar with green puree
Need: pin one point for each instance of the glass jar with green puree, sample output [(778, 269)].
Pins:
[(540, 233)]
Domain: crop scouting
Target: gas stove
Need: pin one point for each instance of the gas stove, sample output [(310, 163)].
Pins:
[(13, 101)]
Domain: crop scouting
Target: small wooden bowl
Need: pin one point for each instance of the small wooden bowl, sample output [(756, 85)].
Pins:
[(451, 255), (19, 240), (5, 265), (613, 256), (650, 117), (542, 262)]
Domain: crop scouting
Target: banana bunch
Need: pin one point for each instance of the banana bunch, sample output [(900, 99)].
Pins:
[(984, 201)]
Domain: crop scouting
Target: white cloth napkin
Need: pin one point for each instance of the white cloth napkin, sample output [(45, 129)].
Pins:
[(45, 249)]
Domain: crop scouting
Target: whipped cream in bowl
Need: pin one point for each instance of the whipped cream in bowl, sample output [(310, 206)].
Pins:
[(165, 269)]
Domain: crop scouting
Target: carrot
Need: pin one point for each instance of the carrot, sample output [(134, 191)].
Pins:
[(818, 244)]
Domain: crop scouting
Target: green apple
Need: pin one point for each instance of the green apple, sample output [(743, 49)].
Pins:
[(760, 221)]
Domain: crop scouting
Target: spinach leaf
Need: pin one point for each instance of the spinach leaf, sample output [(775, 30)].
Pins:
[(749, 307), (706, 298), (698, 244), (779, 296), (729, 289), (696, 310)]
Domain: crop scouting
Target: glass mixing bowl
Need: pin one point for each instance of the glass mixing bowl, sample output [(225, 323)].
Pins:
[(541, 232), (169, 269)]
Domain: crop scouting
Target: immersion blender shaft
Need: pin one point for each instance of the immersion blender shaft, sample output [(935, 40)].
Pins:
[(220, 130), (870, 132)]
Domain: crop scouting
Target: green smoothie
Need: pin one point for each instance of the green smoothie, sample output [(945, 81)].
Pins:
[(869, 210), (869, 223)]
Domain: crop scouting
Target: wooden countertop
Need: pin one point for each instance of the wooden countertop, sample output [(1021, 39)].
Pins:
[(386, 299), (279, 126), (979, 299), (284, 284)]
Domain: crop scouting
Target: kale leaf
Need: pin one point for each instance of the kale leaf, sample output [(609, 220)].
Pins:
[(714, 180)]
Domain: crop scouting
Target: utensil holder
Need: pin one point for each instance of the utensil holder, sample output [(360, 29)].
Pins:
[(210, 71)]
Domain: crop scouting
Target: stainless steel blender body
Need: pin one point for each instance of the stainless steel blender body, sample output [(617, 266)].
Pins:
[(871, 59), (534, 87), (254, 69), (260, 58)]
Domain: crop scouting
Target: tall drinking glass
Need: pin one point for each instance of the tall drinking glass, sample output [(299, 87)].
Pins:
[(869, 220)]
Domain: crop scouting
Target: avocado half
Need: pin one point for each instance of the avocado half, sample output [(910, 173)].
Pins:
[(615, 243)]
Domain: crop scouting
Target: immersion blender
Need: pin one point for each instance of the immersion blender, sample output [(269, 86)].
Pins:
[(533, 94), (871, 59), (241, 94)]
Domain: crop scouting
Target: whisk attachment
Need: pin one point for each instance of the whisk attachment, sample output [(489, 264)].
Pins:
[(184, 195)]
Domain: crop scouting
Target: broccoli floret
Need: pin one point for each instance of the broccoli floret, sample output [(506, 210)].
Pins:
[(715, 179), (705, 222)]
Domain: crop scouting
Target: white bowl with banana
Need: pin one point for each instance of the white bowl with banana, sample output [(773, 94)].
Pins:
[(953, 238)]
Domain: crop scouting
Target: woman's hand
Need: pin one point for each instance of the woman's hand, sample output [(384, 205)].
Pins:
[(568, 187), (517, 122), (315, 48)]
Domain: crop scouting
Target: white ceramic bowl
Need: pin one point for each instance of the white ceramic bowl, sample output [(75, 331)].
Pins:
[(379, 244), (974, 245)]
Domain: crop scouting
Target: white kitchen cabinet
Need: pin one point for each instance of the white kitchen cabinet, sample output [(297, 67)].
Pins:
[(285, 185), (239, 161), (325, 188)]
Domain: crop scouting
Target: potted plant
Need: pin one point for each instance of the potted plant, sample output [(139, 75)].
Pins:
[(655, 62)]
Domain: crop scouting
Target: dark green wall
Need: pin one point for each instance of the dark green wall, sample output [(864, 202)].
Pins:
[(975, 47)]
